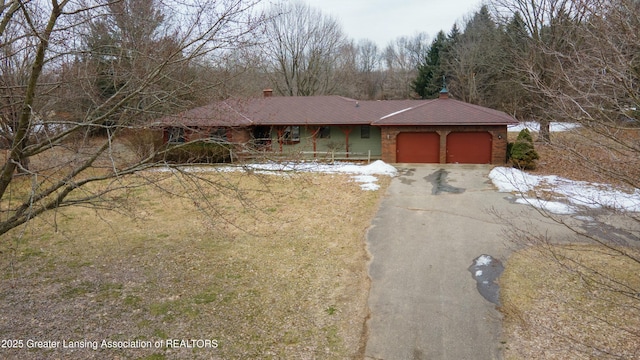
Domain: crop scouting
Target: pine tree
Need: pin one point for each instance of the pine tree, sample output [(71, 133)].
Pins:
[(429, 81), (523, 153)]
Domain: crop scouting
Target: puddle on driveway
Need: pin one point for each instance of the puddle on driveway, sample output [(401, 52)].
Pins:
[(486, 270), (405, 175), (439, 181)]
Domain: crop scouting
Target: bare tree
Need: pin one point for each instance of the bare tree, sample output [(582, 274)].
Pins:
[(360, 69), (590, 76), (302, 48), (401, 59), (542, 21), (476, 61), (42, 42), (369, 65)]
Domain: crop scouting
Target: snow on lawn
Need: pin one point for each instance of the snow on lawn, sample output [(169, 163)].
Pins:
[(378, 167), (534, 126), (363, 174), (562, 196)]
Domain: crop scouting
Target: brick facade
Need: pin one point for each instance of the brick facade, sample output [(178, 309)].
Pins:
[(498, 143)]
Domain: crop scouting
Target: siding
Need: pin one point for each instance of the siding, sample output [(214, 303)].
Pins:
[(336, 142)]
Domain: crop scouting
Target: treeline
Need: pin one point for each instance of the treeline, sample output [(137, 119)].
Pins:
[(139, 59)]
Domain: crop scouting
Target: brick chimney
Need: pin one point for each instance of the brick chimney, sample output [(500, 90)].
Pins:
[(267, 92)]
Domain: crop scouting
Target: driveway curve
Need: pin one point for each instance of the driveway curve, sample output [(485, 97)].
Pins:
[(432, 223)]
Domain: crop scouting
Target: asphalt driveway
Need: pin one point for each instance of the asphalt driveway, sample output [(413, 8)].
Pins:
[(433, 222)]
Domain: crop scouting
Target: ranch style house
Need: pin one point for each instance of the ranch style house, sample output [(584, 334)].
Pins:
[(442, 130)]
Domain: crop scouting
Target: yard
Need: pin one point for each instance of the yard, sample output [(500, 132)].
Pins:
[(246, 265), (577, 301), (272, 267)]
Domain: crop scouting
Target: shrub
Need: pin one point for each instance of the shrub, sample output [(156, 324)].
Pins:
[(199, 152), (142, 142), (523, 153)]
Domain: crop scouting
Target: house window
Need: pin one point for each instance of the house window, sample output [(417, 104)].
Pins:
[(291, 134), (219, 134), (176, 135), (324, 132), (365, 131)]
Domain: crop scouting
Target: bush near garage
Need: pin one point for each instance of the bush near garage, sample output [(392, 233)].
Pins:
[(522, 152)]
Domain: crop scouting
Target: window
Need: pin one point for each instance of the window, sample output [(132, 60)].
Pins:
[(324, 132), (291, 134), (176, 135), (365, 131)]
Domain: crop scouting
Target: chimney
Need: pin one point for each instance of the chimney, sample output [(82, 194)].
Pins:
[(267, 92)]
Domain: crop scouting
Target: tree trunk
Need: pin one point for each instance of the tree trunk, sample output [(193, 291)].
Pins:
[(544, 135)]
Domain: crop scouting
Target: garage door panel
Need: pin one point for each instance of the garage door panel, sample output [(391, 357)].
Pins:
[(469, 147), (418, 147)]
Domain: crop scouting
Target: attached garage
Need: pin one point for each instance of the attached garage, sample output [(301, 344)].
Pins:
[(418, 147), (469, 147), (442, 131)]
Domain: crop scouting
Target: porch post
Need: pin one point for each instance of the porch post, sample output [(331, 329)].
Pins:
[(346, 131)]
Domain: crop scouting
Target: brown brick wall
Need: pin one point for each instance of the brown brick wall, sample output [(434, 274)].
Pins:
[(499, 142)]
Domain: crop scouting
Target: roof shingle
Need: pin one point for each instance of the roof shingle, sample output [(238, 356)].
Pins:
[(336, 110)]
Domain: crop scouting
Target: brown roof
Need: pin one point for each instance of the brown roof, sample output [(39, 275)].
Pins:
[(218, 114), (446, 111), (336, 110)]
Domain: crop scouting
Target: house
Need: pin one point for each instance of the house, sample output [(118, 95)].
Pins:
[(441, 130)]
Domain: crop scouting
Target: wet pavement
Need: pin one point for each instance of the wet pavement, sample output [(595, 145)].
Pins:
[(438, 180), (486, 270), (433, 222)]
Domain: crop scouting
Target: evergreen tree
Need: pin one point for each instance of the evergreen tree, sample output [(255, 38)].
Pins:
[(476, 60), (523, 153), (430, 73)]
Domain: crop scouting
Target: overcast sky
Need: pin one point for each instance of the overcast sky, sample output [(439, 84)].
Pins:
[(385, 20)]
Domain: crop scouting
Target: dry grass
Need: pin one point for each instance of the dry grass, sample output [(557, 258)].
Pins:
[(557, 309), (268, 266), (585, 156), (578, 301)]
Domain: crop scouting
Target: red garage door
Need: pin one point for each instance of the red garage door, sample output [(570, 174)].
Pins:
[(469, 147), (418, 147)]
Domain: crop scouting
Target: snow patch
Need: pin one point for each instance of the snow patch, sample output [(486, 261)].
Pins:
[(534, 126), (483, 260), (363, 174), (568, 196), (368, 182), (512, 180)]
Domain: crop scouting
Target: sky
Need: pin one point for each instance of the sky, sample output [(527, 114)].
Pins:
[(386, 20)]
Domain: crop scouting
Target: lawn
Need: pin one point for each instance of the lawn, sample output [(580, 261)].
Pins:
[(577, 301), (571, 302), (238, 265)]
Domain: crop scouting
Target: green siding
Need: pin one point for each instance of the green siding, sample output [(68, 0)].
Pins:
[(336, 142)]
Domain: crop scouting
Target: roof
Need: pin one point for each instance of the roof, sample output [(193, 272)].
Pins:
[(446, 111), (336, 110)]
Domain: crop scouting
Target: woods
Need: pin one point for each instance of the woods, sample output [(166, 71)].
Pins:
[(82, 82), (72, 70)]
